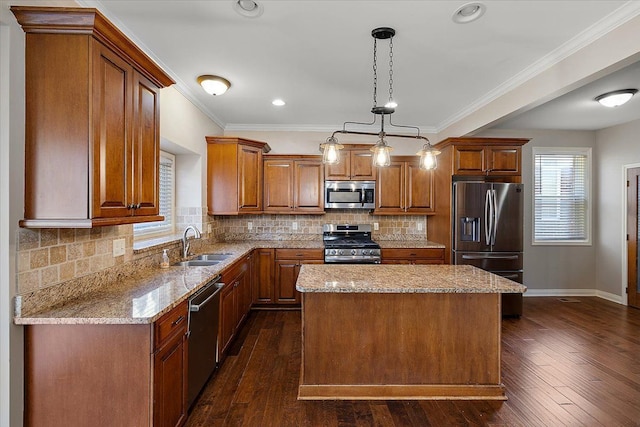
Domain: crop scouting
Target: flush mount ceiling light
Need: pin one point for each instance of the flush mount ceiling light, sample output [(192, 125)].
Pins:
[(278, 102), (214, 85), (248, 8), (468, 12), (381, 150), (616, 98)]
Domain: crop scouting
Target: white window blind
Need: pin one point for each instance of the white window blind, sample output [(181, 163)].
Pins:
[(561, 196), (167, 197)]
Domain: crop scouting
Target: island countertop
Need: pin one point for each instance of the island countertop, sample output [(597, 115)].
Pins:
[(386, 278)]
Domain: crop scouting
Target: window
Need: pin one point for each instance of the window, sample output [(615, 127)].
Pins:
[(561, 204), (167, 201)]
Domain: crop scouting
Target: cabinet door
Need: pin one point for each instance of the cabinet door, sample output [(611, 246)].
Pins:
[(504, 160), (170, 383), (309, 186), (146, 146), (469, 160), (249, 179), (286, 276), (390, 188), (227, 316), (341, 171), (362, 165), (243, 295), (112, 92), (263, 285), (418, 189), (278, 185)]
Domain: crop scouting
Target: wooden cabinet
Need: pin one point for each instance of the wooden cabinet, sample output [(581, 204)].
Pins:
[(486, 160), (92, 122), (293, 184), (107, 374), (404, 188), (287, 268), (235, 300), (170, 369), (234, 175), (412, 256), (263, 276), (490, 159), (356, 164)]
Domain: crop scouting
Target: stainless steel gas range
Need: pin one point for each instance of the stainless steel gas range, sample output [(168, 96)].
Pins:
[(349, 244)]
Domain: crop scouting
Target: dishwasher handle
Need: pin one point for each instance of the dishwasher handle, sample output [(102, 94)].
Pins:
[(197, 307)]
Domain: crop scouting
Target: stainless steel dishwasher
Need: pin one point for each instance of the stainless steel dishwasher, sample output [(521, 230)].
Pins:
[(204, 312)]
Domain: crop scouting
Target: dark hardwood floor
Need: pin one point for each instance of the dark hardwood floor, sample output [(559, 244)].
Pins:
[(563, 364)]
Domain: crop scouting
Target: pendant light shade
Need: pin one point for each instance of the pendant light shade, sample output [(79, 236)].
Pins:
[(381, 154), (428, 159), (214, 85), (331, 151)]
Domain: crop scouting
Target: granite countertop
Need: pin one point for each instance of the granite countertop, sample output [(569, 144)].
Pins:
[(409, 244), (393, 278), (144, 296)]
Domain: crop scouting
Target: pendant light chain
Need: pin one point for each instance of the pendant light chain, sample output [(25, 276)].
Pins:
[(390, 69), (375, 72)]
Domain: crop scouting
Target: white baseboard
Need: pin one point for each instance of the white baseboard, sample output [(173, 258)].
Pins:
[(574, 293)]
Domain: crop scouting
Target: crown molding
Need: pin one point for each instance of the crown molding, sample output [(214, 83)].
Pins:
[(234, 127)]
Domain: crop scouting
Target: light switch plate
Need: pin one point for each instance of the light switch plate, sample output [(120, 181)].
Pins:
[(419, 226), (209, 228), (118, 247), (249, 226), (294, 225), (376, 226)]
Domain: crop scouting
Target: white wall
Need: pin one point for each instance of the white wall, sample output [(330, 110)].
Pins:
[(617, 146), (553, 269)]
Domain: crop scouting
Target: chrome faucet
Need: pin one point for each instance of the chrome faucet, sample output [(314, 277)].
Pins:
[(185, 243)]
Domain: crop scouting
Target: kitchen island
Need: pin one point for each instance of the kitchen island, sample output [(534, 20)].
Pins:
[(401, 332)]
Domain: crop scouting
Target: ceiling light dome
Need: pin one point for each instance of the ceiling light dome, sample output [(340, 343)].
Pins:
[(616, 98), (248, 8), (214, 85), (468, 12)]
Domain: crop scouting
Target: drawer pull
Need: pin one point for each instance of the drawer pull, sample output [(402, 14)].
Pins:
[(177, 321)]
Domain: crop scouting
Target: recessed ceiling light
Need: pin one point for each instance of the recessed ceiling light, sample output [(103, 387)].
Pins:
[(248, 8), (278, 102), (214, 85), (468, 12), (616, 98)]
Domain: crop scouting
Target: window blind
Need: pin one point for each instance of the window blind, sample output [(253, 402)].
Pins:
[(561, 197), (167, 184)]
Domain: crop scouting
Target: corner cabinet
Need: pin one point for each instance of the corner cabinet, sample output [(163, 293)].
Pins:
[(404, 188), (234, 175), (92, 120), (293, 184)]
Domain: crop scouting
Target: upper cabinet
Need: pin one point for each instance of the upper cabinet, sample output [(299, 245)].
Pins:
[(356, 164), (404, 188), (485, 158), (92, 134), (293, 184), (234, 175)]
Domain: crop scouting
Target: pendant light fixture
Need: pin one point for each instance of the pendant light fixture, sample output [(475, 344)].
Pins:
[(381, 150)]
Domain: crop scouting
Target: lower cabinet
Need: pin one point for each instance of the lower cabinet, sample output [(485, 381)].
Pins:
[(235, 301), (263, 277), (412, 256), (107, 374), (287, 268)]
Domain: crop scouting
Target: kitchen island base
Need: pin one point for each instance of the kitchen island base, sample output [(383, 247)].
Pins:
[(401, 346)]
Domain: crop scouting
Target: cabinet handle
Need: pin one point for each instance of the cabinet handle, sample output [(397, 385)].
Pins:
[(177, 321), (137, 206)]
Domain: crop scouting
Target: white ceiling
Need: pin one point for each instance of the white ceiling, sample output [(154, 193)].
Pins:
[(317, 56)]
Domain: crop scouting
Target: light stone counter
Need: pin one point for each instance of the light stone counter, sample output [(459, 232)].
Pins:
[(138, 296), (388, 278), (408, 244)]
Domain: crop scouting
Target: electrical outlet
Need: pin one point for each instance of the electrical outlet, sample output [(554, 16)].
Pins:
[(294, 225), (419, 226), (209, 228), (376, 226), (249, 226), (118, 247)]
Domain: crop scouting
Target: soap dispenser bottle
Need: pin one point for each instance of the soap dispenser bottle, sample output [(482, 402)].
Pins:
[(165, 259)]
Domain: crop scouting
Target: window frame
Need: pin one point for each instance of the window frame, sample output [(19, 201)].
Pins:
[(575, 151), (168, 229)]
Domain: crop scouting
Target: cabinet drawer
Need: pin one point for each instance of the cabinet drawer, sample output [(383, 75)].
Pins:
[(172, 323), (422, 253), (300, 254)]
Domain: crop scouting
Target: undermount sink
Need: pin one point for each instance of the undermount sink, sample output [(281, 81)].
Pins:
[(213, 257), (197, 263)]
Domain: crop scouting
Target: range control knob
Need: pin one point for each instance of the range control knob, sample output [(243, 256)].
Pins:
[(365, 252), (340, 252), (333, 251), (353, 251)]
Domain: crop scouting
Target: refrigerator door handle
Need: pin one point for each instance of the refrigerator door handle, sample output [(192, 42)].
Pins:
[(494, 222), (487, 217), (489, 256)]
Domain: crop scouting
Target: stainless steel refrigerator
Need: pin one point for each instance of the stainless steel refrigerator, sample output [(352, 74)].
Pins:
[(487, 232)]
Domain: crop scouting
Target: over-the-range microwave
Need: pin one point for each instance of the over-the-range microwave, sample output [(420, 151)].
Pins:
[(349, 194)]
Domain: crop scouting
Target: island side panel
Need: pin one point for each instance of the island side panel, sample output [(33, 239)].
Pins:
[(445, 345)]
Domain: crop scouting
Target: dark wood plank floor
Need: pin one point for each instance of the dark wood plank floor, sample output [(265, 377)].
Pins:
[(563, 364)]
